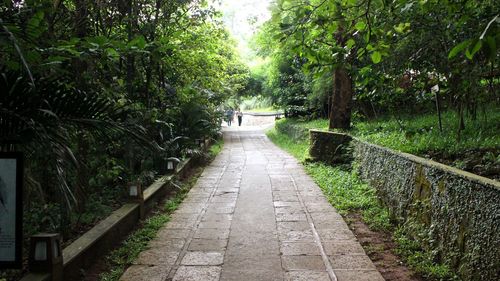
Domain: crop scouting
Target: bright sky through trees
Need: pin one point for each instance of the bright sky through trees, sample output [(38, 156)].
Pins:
[(242, 18)]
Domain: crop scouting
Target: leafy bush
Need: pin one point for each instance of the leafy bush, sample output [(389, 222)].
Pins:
[(348, 194), (97, 104)]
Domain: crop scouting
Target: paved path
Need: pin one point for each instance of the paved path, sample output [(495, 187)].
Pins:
[(251, 121), (254, 214)]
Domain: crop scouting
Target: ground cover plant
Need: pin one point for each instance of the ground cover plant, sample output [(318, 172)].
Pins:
[(122, 257), (336, 58), (476, 150), (350, 195), (98, 94), (135, 243)]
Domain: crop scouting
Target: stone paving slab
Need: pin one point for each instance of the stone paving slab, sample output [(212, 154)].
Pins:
[(203, 258), (307, 276), (208, 245), (146, 273), (254, 214), (197, 273), (303, 263), (157, 256)]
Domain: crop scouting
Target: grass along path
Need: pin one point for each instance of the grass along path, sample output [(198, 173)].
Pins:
[(476, 150), (351, 196), (121, 258), (262, 110)]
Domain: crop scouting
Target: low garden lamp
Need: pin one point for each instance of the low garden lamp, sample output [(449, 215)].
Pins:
[(172, 163), (135, 195), (46, 255)]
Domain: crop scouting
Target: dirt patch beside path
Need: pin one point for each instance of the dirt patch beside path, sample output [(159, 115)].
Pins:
[(380, 248)]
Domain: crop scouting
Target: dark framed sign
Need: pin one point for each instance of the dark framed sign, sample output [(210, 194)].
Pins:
[(11, 209)]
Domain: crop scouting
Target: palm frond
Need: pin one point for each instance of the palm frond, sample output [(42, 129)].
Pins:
[(49, 115)]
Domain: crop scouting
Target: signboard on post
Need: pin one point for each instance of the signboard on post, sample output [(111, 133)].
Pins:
[(11, 180)]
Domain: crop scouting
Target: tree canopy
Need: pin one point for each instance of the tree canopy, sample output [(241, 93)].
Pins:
[(101, 93), (389, 52)]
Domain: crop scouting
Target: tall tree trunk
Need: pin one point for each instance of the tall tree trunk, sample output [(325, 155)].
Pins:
[(340, 113), (80, 30), (81, 18), (152, 62), (438, 109), (130, 57), (80, 67)]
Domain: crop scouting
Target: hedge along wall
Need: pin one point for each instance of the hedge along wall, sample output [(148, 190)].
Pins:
[(460, 210), (293, 131)]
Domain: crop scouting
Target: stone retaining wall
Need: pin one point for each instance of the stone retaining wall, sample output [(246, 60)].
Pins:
[(460, 210)]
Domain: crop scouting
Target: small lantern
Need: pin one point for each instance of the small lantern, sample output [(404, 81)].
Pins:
[(172, 164), (134, 192), (135, 195), (200, 142), (46, 255)]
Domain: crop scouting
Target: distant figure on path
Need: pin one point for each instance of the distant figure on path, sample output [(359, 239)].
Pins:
[(229, 116), (239, 114)]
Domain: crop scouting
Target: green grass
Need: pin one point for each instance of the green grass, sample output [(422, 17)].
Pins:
[(349, 194), (298, 149), (263, 109), (216, 148), (420, 134), (418, 259), (255, 103), (137, 242), (345, 191)]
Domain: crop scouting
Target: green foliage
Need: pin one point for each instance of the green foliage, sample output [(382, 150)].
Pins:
[(322, 89), (256, 103), (345, 191), (395, 53), (263, 109), (348, 194), (420, 134), (133, 246), (102, 93), (44, 113), (299, 150), (412, 252), (135, 243), (138, 241), (216, 148)]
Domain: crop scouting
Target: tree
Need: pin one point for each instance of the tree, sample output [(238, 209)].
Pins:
[(81, 62), (325, 34)]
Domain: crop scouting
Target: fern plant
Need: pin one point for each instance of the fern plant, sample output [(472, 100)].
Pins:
[(45, 114)]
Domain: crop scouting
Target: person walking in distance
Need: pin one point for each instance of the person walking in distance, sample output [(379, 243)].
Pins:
[(229, 116), (239, 114)]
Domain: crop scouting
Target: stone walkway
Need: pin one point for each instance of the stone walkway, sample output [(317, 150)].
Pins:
[(254, 214)]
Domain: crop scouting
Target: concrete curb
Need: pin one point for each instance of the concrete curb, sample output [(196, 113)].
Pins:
[(109, 232)]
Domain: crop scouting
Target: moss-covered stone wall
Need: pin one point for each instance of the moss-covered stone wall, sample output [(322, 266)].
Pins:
[(460, 210), (338, 147)]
